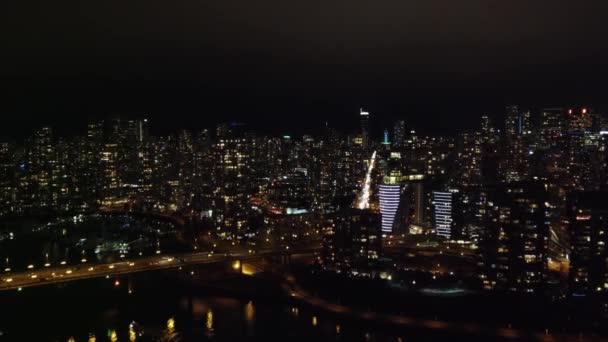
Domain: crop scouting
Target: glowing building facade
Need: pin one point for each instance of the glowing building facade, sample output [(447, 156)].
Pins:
[(442, 203), (390, 198)]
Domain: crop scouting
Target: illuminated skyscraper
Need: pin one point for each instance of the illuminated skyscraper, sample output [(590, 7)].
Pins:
[(232, 176), (552, 127), (111, 180), (9, 180), (583, 153), (364, 128), (517, 122), (512, 120), (515, 242), (488, 131), (143, 130), (580, 120), (399, 133), (386, 139), (443, 210), (418, 201), (467, 173), (92, 180), (203, 171), (518, 130), (394, 195), (390, 199), (39, 165), (588, 218), (354, 244)]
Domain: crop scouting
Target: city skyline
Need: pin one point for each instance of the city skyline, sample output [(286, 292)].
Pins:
[(307, 171), (513, 209), (383, 126)]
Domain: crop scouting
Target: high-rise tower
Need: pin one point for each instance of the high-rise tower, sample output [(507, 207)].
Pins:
[(364, 128), (399, 133), (443, 206)]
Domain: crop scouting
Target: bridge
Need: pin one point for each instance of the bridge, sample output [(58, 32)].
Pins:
[(66, 273), (62, 274)]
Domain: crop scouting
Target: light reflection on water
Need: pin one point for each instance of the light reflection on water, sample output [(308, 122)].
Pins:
[(168, 308), (175, 328), (209, 323), (250, 318), (132, 335), (170, 333), (113, 335), (144, 316)]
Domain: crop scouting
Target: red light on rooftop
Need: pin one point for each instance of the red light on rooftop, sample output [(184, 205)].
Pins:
[(570, 111), (584, 111)]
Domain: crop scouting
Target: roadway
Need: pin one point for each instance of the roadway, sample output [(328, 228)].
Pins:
[(61, 274), (66, 273)]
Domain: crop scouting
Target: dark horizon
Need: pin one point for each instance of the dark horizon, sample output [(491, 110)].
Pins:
[(288, 68)]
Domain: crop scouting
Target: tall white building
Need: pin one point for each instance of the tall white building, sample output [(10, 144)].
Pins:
[(390, 196), (442, 203)]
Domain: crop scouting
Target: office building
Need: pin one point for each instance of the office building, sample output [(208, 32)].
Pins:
[(443, 209), (588, 229)]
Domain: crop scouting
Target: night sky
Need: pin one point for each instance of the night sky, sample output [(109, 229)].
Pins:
[(287, 66)]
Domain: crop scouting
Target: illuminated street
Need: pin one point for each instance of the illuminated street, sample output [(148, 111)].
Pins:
[(53, 275)]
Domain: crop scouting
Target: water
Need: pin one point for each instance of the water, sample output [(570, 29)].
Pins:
[(161, 306)]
